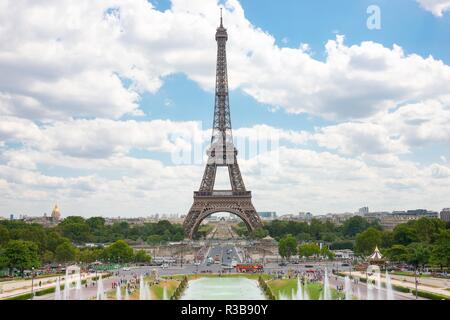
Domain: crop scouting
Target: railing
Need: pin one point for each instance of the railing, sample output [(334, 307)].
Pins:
[(220, 193)]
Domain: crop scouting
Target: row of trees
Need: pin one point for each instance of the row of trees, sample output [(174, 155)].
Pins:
[(81, 230), (288, 247), (33, 245), (316, 230), (22, 255), (419, 242)]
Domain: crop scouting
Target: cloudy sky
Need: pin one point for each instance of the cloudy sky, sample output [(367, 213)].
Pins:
[(105, 105)]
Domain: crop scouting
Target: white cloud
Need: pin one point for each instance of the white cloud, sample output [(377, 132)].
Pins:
[(392, 133), (359, 138), (67, 59), (437, 7), (302, 180)]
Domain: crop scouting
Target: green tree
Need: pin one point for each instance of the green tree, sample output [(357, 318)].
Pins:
[(3, 260), (96, 223), (342, 244), (76, 229), (259, 233), (21, 255), (287, 246), (419, 254), (48, 257), (367, 240), (155, 239), (309, 250), (142, 256), (119, 252), (4, 235), (354, 225), (428, 229), (326, 252), (89, 255), (397, 253), (440, 254), (404, 234), (54, 239), (65, 252)]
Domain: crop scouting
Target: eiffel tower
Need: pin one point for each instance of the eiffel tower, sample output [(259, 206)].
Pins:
[(221, 153)]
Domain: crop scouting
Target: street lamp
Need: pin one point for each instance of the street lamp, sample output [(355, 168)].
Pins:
[(32, 283), (350, 263), (416, 281)]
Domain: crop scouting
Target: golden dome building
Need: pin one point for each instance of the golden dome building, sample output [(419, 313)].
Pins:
[(56, 214)]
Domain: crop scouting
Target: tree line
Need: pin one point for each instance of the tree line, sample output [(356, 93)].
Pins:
[(23, 245), (419, 242)]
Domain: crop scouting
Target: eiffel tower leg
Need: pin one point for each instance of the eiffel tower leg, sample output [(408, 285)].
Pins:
[(204, 206), (209, 178), (237, 183)]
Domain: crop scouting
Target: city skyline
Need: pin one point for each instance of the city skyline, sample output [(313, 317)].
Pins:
[(179, 215), (97, 107)]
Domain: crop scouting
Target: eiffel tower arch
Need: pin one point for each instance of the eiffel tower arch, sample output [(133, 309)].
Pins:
[(222, 153)]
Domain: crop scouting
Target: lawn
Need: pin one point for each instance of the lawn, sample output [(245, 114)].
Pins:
[(287, 286), (251, 276), (156, 291)]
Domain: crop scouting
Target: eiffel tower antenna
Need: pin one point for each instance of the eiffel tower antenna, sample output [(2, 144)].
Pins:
[(222, 153)]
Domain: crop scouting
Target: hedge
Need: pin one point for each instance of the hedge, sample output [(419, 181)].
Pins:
[(401, 289), (27, 296), (430, 295), (266, 289), (179, 290)]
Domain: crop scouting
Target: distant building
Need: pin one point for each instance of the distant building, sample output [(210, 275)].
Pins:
[(56, 214), (376, 216), (301, 216), (363, 210), (268, 215), (399, 217), (336, 218), (445, 215), (344, 254), (305, 216), (43, 220)]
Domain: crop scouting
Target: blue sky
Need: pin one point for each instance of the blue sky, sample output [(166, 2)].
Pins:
[(95, 103)]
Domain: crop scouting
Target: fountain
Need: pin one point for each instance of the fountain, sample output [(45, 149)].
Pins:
[(165, 294), (305, 293), (66, 288), (58, 290), (326, 287), (378, 286), (299, 289), (118, 293), (73, 276), (282, 296), (231, 288), (369, 290), (148, 295), (374, 282), (78, 288), (127, 295), (100, 290), (389, 290), (348, 288), (358, 293), (141, 288)]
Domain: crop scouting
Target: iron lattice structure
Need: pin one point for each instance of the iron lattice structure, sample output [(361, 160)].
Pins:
[(222, 153)]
